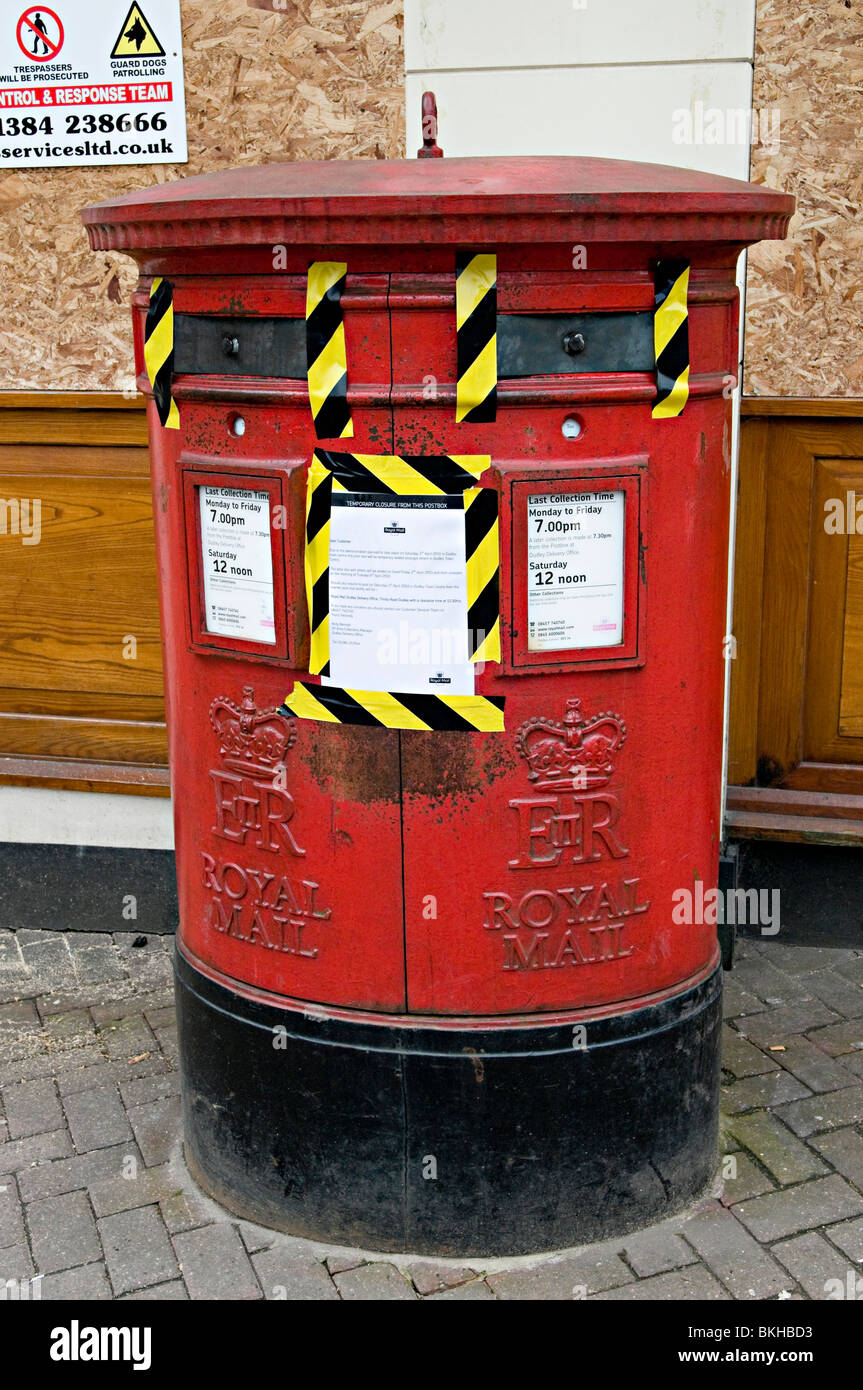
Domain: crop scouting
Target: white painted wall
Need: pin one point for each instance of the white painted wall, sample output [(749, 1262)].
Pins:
[(42, 816), (590, 77)]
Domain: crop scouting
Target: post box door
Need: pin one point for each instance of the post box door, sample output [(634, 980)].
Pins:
[(288, 834)]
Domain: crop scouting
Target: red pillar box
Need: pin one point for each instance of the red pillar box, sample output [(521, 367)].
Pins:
[(441, 458)]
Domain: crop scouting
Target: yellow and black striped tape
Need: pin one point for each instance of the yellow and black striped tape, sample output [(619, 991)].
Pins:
[(382, 710), (159, 350), (671, 337), (476, 337), (482, 551), (405, 476), (326, 354)]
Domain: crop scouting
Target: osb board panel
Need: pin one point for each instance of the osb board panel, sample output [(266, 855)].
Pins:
[(317, 79), (804, 309)]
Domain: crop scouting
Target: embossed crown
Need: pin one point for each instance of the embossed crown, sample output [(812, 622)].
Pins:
[(575, 754), (251, 741)]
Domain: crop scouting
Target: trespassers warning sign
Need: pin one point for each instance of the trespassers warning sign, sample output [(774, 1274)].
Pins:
[(91, 82)]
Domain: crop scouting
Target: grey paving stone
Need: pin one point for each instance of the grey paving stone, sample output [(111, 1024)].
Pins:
[(127, 1037), (337, 1264), (214, 1264), (776, 1147), (747, 1181), (89, 1078), (183, 1211), (11, 1214), (69, 1174), (157, 1128), (759, 977), (816, 1203), (730, 1252), (737, 1002), (798, 960), (49, 957), (257, 1238), (150, 1064), (146, 1187), (164, 1017), (743, 1058), (656, 1250), (380, 1282), (782, 1024), (844, 1150), (820, 1113), (16, 1263), (19, 1027), (476, 1289), (852, 968), (695, 1283), (853, 1062), (756, 1092), (588, 1272), (90, 997), (32, 1107), (811, 1065), (137, 1249), (429, 1277), (147, 1088), (284, 1274), (838, 992), (175, 1290), (18, 1154), (839, 1038), (811, 1261), (98, 964), (97, 1119), (169, 1043), (72, 1029), (62, 1232), (85, 1284), (49, 1064), (848, 1235)]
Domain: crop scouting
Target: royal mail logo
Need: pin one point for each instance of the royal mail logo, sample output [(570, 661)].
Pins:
[(253, 742), (575, 754)]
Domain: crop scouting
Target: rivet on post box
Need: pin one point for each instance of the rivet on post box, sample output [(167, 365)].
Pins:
[(426, 891)]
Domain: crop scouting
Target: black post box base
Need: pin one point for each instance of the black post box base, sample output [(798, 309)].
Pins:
[(448, 1141)]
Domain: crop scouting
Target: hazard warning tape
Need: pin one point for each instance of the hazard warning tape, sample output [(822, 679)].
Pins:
[(671, 337), (482, 550), (377, 709), (326, 354), (159, 350), (476, 337), (406, 476)]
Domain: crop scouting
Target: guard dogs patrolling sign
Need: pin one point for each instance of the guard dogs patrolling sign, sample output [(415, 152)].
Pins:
[(92, 82)]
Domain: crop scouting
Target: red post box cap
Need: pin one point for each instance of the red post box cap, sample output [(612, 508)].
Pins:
[(441, 201)]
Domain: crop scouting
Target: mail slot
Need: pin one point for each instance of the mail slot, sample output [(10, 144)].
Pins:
[(545, 344), (259, 347), (434, 991)]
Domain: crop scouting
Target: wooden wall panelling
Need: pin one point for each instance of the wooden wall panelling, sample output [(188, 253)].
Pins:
[(747, 611), (73, 699)]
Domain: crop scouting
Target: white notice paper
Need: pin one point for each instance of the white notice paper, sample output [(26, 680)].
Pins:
[(91, 82), (237, 563), (398, 594), (575, 571)]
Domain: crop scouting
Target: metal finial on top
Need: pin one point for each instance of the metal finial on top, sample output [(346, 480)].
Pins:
[(430, 147)]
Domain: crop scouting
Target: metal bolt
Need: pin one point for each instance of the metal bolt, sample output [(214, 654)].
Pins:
[(230, 346), (573, 342)]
